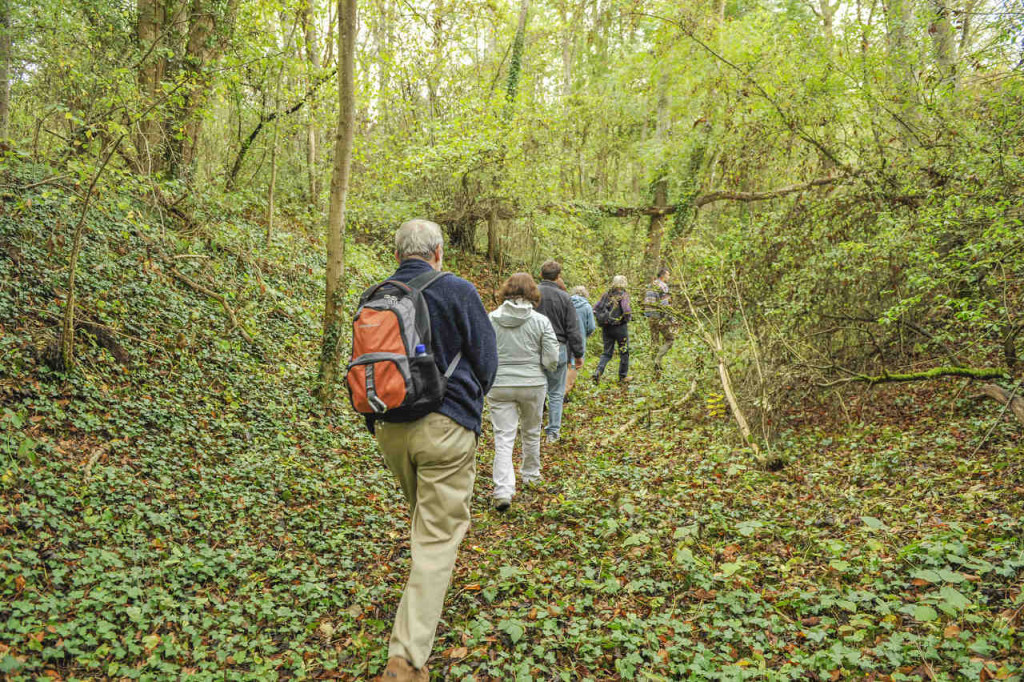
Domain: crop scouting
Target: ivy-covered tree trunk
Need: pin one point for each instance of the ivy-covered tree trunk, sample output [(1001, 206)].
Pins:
[(5, 68), (515, 65), (334, 307)]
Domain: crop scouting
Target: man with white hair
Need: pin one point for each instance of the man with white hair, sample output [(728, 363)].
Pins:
[(432, 455)]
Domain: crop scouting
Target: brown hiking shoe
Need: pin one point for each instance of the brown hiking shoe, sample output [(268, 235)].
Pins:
[(400, 670)]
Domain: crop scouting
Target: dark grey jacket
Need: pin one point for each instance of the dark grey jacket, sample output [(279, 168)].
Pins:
[(556, 305)]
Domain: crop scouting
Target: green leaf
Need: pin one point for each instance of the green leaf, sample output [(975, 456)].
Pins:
[(514, 630), (847, 604), (925, 613), (927, 575), (637, 539), (954, 598), (26, 451), (872, 523), (729, 569), (748, 528), (8, 664), (951, 576), (691, 530)]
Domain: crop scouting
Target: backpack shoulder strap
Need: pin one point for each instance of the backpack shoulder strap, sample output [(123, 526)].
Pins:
[(430, 278), (453, 365), (421, 282), (369, 293)]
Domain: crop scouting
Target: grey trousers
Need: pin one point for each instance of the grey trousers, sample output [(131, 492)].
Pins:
[(515, 408)]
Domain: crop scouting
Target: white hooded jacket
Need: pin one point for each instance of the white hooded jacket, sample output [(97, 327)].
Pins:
[(526, 344)]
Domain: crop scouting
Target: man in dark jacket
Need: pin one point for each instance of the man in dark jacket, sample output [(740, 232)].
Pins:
[(556, 305), (432, 456)]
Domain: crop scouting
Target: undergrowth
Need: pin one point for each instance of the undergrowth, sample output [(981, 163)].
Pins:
[(178, 506)]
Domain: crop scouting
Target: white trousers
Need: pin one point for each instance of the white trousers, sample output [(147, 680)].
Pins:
[(512, 407)]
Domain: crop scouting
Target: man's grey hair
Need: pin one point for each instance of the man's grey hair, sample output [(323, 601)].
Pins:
[(580, 290), (418, 237), (619, 282)]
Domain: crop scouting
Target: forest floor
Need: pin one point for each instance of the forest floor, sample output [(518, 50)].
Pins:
[(179, 507)]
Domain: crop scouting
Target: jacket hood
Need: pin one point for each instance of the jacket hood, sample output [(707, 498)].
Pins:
[(512, 313), (579, 301)]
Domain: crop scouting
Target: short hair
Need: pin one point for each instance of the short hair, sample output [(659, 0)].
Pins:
[(551, 270), (619, 282), (662, 272), (418, 237), (580, 290), (520, 285)]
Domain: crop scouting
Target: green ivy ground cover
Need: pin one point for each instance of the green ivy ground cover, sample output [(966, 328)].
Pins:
[(190, 514)]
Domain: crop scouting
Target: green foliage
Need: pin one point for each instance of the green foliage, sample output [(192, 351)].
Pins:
[(192, 513), (178, 505)]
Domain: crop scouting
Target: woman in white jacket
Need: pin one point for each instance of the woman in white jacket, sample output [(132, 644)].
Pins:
[(526, 347)]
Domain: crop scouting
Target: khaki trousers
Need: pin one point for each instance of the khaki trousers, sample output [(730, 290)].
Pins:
[(433, 460)]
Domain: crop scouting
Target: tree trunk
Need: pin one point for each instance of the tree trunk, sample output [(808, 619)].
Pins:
[(5, 69), (197, 53), (209, 25), (730, 393), (438, 58), (273, 155), (656, 228), (944, 42), (900, 18), (1001, 396), (152, 68), (515, 64), (568, 35), (383, 37), (67, 332), (492, 235), (312, 132), (827, 11), (965, 26), (334, 307)]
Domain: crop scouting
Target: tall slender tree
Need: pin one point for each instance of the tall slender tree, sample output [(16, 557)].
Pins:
[(312, 130), (5, 68), (334, 307)]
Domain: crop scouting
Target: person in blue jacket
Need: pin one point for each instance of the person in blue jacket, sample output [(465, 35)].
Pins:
[(585, 313)]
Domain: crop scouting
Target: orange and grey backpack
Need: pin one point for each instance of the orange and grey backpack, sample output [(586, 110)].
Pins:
[(392, 372)]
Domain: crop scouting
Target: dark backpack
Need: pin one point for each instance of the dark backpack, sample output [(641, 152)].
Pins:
[(608, 311), (392, 371)]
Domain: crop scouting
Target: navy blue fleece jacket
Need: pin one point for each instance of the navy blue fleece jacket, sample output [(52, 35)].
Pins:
[(458, 322)]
